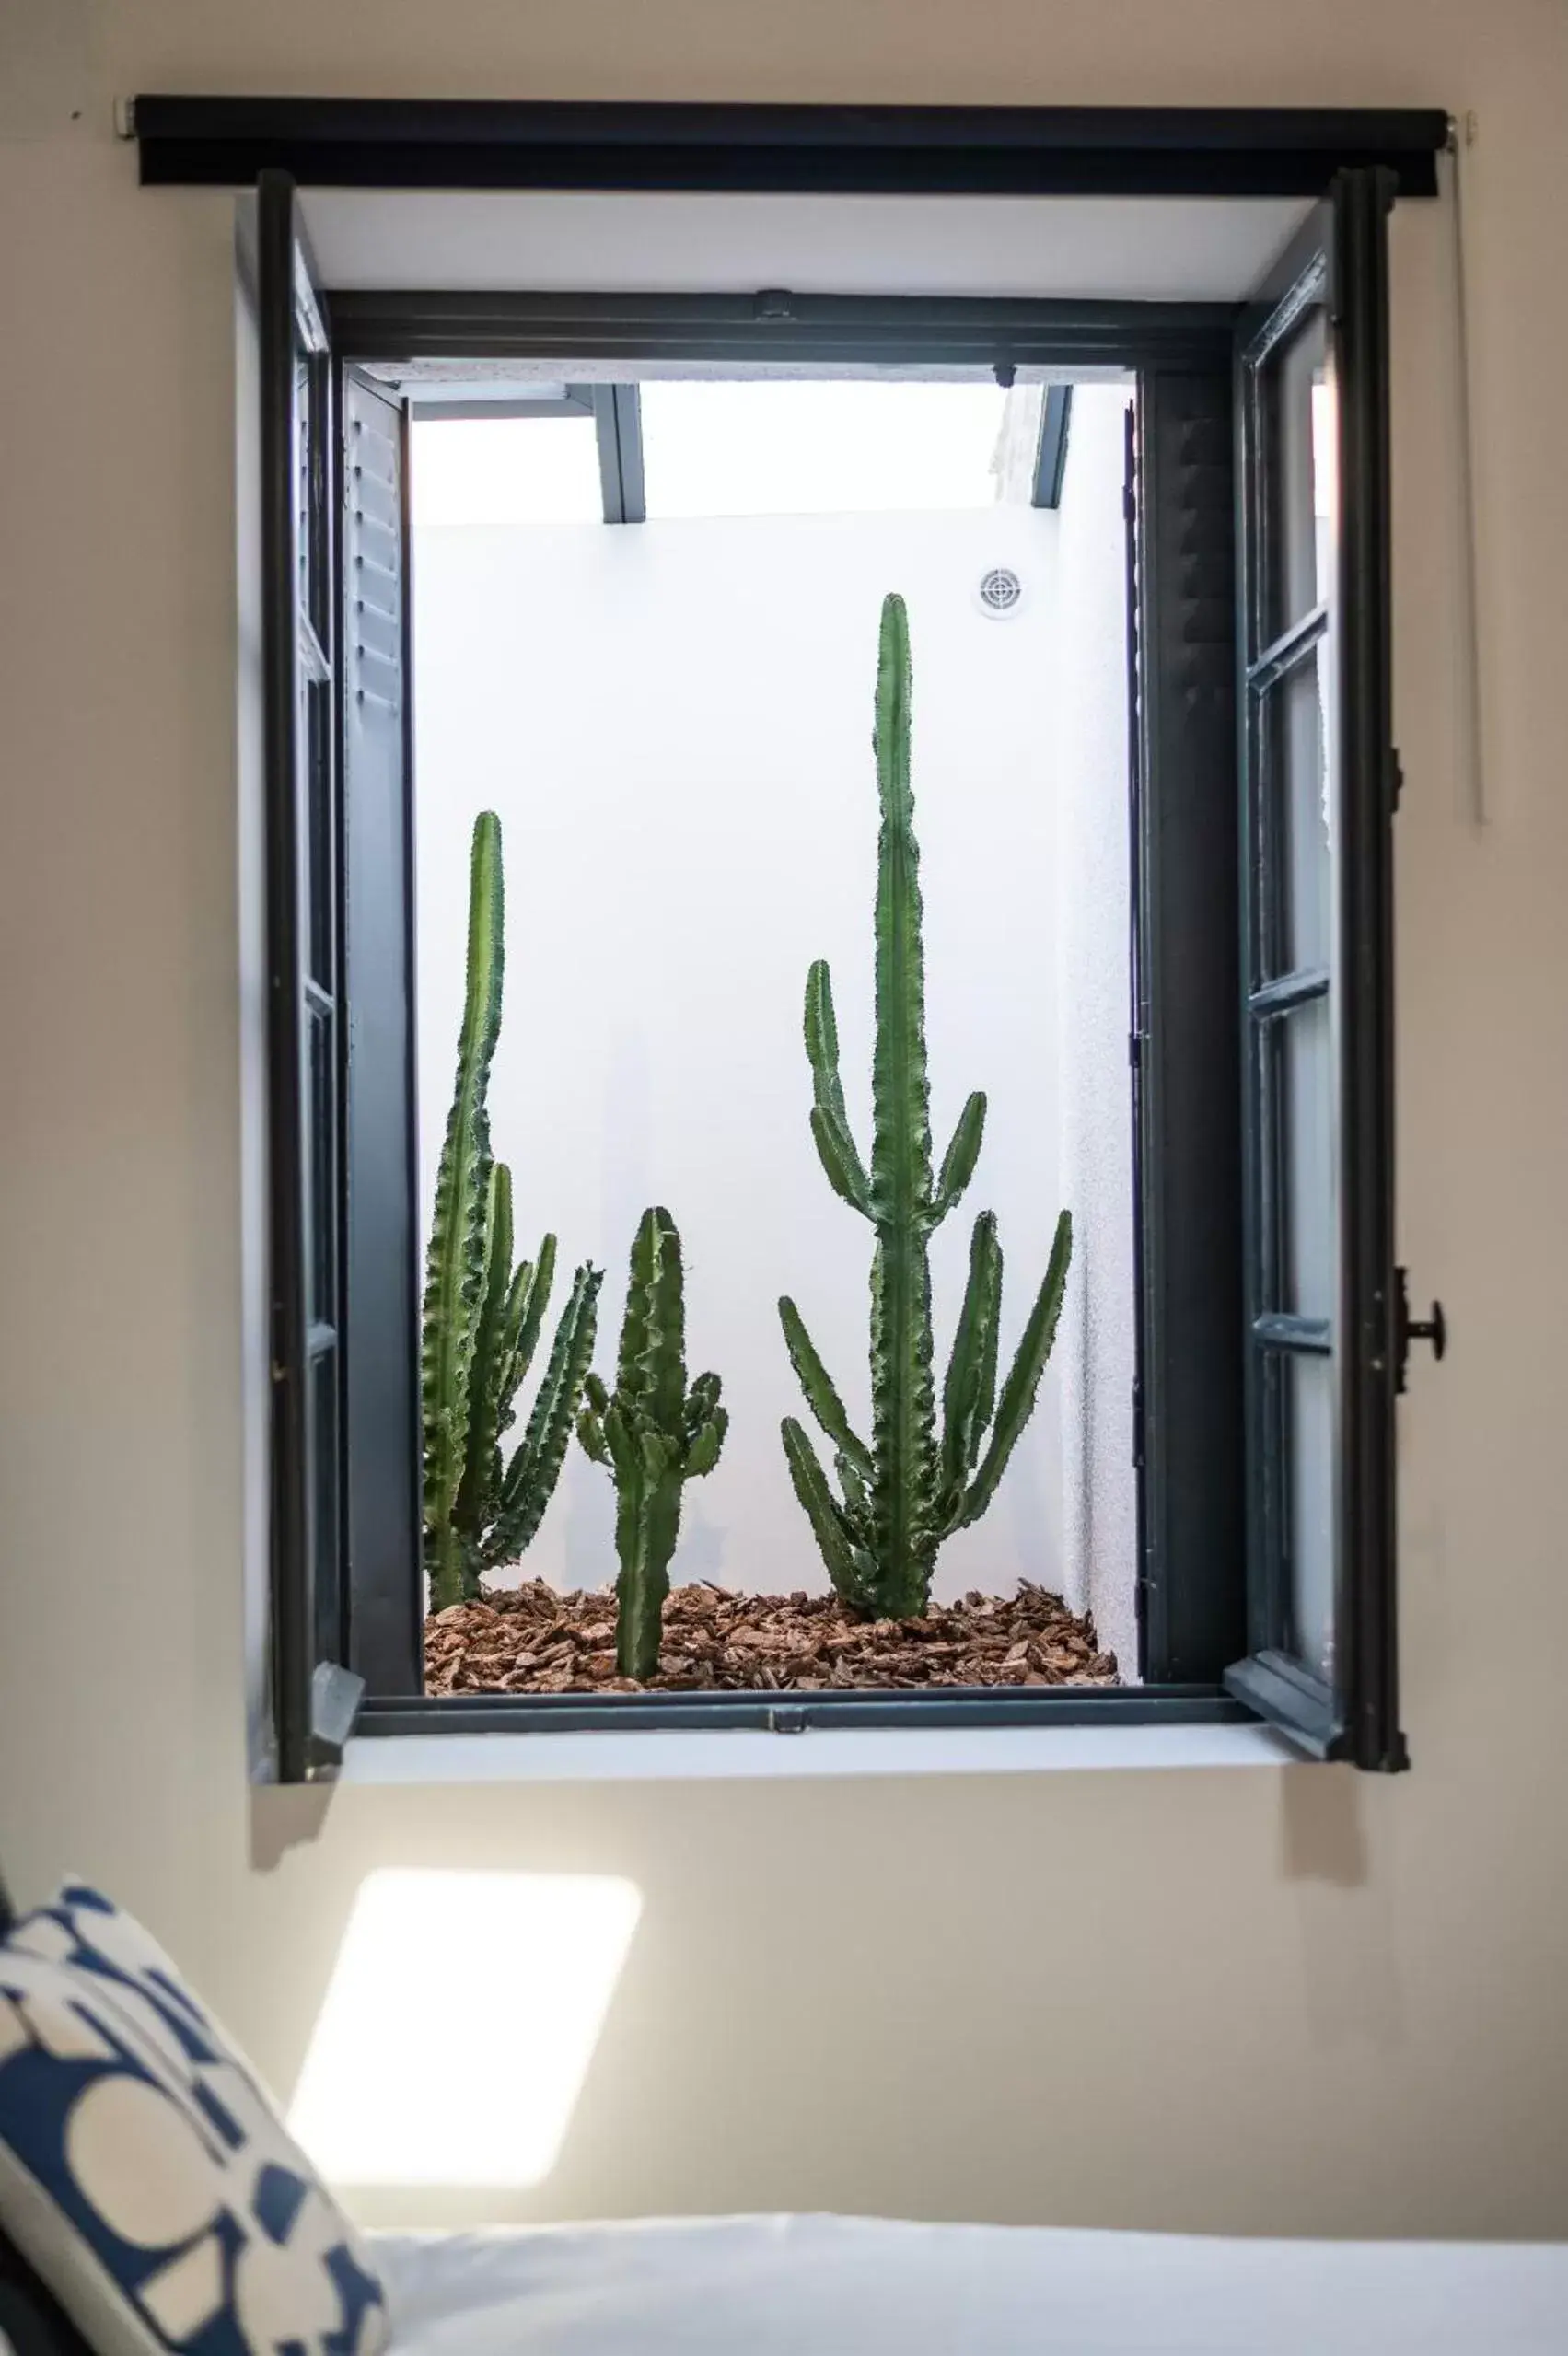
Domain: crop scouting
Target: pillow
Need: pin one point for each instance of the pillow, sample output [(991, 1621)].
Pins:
[(144, 2174)]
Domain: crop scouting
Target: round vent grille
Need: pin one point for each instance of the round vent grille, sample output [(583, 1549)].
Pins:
[(1000, 589)]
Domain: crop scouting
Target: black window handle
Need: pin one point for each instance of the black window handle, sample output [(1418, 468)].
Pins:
[(1433, 1329)]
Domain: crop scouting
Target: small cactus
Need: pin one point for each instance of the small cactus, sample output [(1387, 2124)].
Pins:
[(912, 1487), (654, 1434), (482, 1316)]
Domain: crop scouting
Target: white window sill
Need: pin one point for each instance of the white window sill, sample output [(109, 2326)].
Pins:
[(737, 1754)]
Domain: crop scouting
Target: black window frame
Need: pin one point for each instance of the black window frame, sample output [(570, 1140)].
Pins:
[(1178, 360), (1334, 270), (313, 1695), (1198, 1603)]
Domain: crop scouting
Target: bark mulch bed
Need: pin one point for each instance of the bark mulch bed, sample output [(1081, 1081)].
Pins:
[(535, 1640)]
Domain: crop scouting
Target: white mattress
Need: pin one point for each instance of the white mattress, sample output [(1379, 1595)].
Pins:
[(845, 2286)]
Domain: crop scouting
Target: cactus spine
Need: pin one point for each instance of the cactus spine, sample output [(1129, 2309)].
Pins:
[(654, 1434), (482, 1316), (899, 1497)]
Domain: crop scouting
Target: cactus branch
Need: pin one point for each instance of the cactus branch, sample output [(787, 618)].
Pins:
[(816, 1383), (533, 1283), (848, 1566), (829, 1120), (835, 1151), (958, 1163), (1017, 1403), (969, 1392), (536, 1464)]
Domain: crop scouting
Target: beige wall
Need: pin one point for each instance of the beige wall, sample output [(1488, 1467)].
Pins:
[(1233, 2000)]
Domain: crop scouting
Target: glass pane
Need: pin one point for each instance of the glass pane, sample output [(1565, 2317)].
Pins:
[(311, 459), (302, 477), (1295, 420), (1300, 1048), (316, 754), (1308, 1415), (321, 1298), (324, 1486), (1298, 816)]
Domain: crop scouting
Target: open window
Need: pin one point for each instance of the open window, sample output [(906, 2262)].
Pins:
[(1320, 779), (1257, 1093), (313, 1695)]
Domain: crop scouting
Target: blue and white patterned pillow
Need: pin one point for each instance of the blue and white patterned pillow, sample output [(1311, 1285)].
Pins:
[(143, 2171)]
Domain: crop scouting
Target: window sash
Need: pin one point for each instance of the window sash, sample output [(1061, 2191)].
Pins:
[(1317, 1003), (313, 1697)]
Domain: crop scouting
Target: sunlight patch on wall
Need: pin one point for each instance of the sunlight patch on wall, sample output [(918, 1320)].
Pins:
[(405, 2081)]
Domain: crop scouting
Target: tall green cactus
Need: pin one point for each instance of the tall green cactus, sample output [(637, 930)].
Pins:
[(482, 1316), (912, 1487), (654, 1436)]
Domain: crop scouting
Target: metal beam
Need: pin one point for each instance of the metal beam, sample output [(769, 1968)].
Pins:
[(902, 150)]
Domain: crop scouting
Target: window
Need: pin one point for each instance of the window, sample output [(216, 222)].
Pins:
[(1322, 1295), (1270, 1328), (314, 1697)]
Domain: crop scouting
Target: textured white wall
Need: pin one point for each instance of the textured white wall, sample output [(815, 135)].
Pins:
[(674, 724), (1280, 2001), (1095, 1348)]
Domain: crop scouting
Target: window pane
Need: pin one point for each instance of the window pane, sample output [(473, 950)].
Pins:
[(1307, 1387), (311, 439), (323, 1475), (1299, 1048), (321, 1298), (304, 454), (1297, 444), (316, 754), (1298, 853)]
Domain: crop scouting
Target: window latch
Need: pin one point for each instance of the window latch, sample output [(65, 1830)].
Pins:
[(1433, 1329)]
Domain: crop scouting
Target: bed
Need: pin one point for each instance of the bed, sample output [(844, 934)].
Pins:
[(842, 2286)]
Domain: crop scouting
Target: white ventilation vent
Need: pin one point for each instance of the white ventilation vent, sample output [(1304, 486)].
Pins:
[(1001, 591)]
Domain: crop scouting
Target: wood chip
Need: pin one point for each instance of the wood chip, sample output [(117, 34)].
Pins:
[(535, 1640)]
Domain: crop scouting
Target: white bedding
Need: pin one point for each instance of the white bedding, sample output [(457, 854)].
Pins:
[(845, 2286)]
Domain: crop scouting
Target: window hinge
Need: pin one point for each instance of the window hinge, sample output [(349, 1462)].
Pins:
[(773, 302), (1137, 1424), (1395, 777), (1135, 1048), (1433, 1329)]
